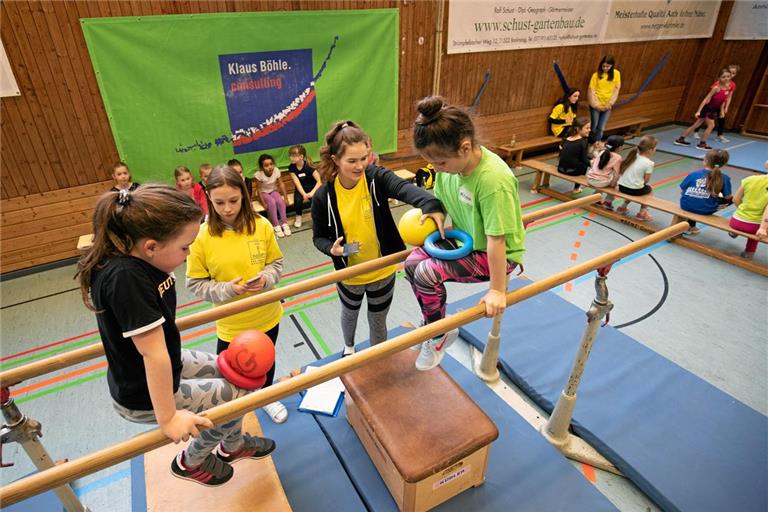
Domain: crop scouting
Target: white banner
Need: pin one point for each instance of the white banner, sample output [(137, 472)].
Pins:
[(749, 20), (484, 26), (660, 19)]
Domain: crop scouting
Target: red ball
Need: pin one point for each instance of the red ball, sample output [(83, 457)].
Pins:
[(251, 354)]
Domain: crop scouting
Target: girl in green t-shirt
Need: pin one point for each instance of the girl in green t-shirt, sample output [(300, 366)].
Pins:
[(480, 194)]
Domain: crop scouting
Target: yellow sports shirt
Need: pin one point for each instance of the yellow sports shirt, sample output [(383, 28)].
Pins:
[(224, 258), (357, 218), (603, 88)]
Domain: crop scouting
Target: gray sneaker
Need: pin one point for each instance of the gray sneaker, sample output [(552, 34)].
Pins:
[(432, 351)]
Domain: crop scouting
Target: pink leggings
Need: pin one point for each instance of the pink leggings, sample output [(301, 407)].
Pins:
[(428, 276), (747, 227), (275, 207)]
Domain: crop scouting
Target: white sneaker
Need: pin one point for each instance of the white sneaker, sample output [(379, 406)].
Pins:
[(433, 351), (720, 138), (279, 231), (348, 351), (297, 222), (286, 230), (696, 135), (276, 411)]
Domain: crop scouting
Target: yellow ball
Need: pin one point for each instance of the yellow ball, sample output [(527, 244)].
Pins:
[(411, 232)]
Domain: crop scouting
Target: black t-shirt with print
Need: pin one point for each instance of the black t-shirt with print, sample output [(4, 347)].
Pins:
[(133, 297)]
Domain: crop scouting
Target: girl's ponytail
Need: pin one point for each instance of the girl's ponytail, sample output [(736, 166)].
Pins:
[(612, 144), (123, 218), (715, 160)]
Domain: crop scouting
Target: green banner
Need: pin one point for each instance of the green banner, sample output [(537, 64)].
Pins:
[(205, 88)]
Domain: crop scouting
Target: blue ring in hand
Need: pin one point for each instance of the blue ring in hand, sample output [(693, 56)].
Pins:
[(449, 254)]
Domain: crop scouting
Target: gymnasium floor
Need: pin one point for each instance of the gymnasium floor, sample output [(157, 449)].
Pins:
[(705, 315)]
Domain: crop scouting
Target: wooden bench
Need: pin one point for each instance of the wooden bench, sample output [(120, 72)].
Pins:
[(425, 435), (515, 152), (545, 171)]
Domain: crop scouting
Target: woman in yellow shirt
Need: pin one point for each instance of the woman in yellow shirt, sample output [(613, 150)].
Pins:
[(563, 113), (352, 223), (603, 92), (234, 256)]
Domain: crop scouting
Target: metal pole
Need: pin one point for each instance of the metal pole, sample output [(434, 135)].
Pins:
[(556, 429), (488, 369), (27, 432)]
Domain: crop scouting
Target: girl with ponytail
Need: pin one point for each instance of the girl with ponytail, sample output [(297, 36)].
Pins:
[(127, 279), (606, 168), (707, 190)]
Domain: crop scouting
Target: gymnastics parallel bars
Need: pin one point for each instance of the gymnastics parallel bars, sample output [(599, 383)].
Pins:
[(16, 375), (142, 443)]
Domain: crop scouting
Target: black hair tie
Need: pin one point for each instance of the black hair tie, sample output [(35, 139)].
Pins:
[(123, 198)]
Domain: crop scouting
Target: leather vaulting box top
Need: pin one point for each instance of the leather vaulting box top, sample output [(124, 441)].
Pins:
[(423, 420)]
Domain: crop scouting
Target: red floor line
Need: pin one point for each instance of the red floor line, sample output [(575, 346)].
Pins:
[(48, 345), (537, 201), (194, 302)]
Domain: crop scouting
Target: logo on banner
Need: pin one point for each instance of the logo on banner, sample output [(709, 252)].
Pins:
[(270, 98)]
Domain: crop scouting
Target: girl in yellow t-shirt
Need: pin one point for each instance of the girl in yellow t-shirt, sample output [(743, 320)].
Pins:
[(352, 223), (236, 255), (563, 113), (603, 92)]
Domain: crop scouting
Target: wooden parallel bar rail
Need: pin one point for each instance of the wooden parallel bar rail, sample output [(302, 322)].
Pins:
[(73, 357), (147, 441)]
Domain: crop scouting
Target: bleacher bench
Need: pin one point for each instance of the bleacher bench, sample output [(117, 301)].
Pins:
[(515, 152), (545, 171)]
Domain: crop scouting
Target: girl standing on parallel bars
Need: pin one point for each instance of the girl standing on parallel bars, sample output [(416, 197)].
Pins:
[(126, 279), (480, 194)]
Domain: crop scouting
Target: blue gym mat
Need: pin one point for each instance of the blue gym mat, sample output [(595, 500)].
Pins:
[(685, 443), (745, 152), (524, 471)]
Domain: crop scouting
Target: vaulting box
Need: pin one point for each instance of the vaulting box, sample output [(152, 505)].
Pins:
[(425, 435)]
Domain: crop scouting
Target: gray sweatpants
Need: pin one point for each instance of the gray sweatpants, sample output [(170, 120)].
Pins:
[(201, 387), (379, 295)]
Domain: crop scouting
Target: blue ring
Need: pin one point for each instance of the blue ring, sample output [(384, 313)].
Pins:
[(449, 254)]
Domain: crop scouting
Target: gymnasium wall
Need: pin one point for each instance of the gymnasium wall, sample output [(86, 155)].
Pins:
[(57, 146)]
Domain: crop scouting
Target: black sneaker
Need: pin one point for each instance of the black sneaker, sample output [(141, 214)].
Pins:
[(680, 141), (703, 145), (212, 472), (253, 448)]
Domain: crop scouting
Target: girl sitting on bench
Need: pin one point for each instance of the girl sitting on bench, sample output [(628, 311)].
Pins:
[(574, 154), (707, 190), (636, 172), (606, 168)]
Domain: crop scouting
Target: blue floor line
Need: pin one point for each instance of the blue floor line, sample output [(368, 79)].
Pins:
[(102, 482)]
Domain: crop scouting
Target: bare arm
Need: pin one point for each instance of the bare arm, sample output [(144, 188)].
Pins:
[(297, 185), (614, 96), (318, 181), (496, 298), (762, 231), (282, 189), (739, 196), (176, 424)]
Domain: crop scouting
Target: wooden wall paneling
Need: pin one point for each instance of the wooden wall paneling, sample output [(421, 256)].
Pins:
[(48, 198), (34, 150), (49, 44), (96, 136), (7, 158)]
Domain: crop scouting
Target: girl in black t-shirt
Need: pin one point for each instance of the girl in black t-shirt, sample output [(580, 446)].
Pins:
[(306, 179), (127, 279), (574, 156), (122, 176)]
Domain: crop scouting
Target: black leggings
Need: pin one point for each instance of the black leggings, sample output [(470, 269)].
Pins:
[(222, 345), (298, 203)]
